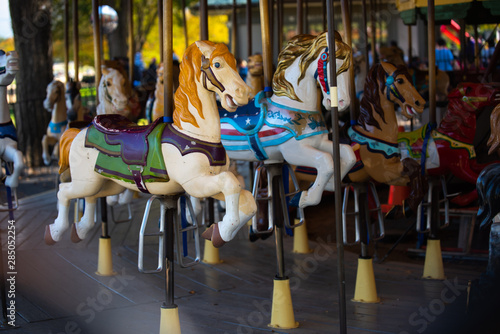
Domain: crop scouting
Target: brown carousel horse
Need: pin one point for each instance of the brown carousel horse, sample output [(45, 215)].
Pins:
[(255, 76), (375, 137)]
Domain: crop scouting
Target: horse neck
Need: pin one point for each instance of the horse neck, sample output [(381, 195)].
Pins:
[(208, 127), (306, 89), (459, 121), (389, 129), (59, 112), (4, 111), (255, 82)]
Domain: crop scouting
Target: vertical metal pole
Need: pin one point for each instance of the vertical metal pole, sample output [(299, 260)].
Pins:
[(104, 218), (279, 5), (131, 48), (267, 53), (432, 60), (346, 22), (365, 30), (97, 45), (325, 23), (277, 194), (75, 39), (374, 30), (66, 40), (409, 46), (336, 159), (249, 27), (184, 24), (204, 20), (169, 255), (234, 30), (306, 21), (300, 17), (160, 28), (168, 83)]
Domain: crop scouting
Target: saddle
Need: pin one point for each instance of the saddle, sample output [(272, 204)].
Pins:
[(132, 138)]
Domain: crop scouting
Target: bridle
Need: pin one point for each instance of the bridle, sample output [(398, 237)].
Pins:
[(209, 74)]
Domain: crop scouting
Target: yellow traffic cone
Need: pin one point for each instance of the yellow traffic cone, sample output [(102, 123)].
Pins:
[(105, 259), (282, 309), (300, 242), (433, 265), (365, 290), (169, 320)]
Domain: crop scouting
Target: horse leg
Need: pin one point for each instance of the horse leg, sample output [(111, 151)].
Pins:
[(347, 161), (309, 156), (16, 157), (81, 228), (240, 205), (45, 148)]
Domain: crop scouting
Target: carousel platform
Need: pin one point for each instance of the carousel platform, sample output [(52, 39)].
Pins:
[(58, 291)]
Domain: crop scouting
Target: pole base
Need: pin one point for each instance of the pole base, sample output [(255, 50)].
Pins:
[(300, 241), (433, 265), (105, 259), (366, 290), (211, 254), (169, 320), (282, 309)]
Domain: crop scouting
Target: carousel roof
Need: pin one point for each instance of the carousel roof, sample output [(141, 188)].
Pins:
[(473, 11)]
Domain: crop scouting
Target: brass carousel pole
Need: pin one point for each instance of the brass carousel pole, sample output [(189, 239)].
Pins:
[(346, 22), (337, 177), (75, 39), (97, 44), (203, 20), (66, 40), (160, 26), (249, 27), (300, 17), (234, 29)]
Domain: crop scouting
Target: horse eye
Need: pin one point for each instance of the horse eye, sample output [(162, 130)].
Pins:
[(400, 81), (108, 83), (217, 65)]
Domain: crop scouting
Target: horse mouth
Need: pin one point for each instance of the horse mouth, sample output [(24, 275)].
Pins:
[(231, 103), (411, 111)]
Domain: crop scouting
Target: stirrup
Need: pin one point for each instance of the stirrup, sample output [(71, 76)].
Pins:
[(271, 172), (425, 208), (356, 213)]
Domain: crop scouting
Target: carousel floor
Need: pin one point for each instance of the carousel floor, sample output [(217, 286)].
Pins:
[(57, 289)]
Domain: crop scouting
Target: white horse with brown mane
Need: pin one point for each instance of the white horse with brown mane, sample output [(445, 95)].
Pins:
[(288, 126), (55, 103), (8, 136), (186, 156), (113, 92)]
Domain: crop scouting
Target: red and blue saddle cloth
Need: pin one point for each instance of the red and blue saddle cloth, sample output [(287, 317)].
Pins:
[(263, 123), (133, 154), (8, 130)]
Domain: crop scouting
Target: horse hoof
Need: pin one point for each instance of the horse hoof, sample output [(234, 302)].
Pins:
[(216, 238), (208, 233), (48, 237), (74, 236)]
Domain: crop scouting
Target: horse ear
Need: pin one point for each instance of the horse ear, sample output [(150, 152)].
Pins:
[(104, 70), (205, 49)]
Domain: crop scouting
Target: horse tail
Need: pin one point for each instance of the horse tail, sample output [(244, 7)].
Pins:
[(494, 140), (64, 145)]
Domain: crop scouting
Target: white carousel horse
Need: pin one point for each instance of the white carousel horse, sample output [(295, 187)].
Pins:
[(8, 136), (54, 103), (186, 156), (113, 92), (288, 127)]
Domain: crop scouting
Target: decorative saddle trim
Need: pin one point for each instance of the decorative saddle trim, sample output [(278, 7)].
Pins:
[(268, 124), (8, 130), (388, 150), (57, 127), (455, 144)]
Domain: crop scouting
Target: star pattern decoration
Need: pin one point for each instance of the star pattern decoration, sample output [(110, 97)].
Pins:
[(248, 121)]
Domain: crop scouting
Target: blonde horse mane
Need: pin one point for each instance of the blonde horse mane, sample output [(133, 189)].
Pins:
[(190, 69), (494, 140), (309, 47)]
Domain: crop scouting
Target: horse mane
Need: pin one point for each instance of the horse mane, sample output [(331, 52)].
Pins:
[(190, 71), (375, 82), (494, 140), (308, 47)]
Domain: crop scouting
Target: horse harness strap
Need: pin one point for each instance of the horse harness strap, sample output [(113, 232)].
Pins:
[(322, 71), (391, 88), (470, 99), (106, 93), (209, 74)]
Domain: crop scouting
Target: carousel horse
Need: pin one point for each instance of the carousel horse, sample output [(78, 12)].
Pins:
[(114, 91), (154, 107), (420, 79), (287, 126), (255, 76), (76, 111), (375, 136), (8, 136), (164, 158), (450, 146), (55, 103)]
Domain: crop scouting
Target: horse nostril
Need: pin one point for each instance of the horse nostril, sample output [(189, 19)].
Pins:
[(417, 103)]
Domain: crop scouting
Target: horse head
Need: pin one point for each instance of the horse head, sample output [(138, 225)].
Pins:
[(387, 83), (55, 92), (9, 65), (114, 89), (473, 97), (256, 65)]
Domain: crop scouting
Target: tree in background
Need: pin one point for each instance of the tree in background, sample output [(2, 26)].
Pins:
[(31, 23)]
